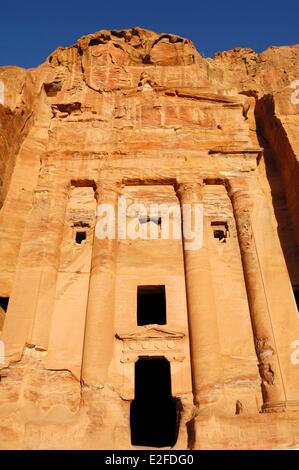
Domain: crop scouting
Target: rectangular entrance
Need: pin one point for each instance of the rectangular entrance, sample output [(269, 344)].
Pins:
[(153, 417)]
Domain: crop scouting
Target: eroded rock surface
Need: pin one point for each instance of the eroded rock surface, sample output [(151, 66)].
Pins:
[(142, 115)]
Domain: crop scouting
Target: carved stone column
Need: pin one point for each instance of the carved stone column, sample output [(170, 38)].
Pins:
[(33, 293), (55, 223), (99, 333), (269, 365), (202, 316)]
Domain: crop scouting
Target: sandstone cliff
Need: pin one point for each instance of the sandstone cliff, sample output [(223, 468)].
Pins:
[(141, 104), (75, 83)]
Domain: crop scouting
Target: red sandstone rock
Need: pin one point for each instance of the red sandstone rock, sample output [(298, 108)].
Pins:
[(143, 115)]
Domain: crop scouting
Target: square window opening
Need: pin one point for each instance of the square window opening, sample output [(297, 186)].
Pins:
[(80, 237), (221, 231), (151, 305)]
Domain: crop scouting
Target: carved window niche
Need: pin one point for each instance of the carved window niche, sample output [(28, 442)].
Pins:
[(80, 236), (148, 341), (151, 305), (80, 232), (220, 231)]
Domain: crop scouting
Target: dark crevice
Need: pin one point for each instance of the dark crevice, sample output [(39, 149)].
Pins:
[(250, 93), (171, 38), (155, 414), (53, 88), (84, 183), (68, 107), (95, 42), (147, 59), (190, 433), (135, 32), (121, 34), (81, 224), (80, 52), (102, 39)]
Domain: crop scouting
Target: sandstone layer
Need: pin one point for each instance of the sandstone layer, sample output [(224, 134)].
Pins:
[(143, 115)]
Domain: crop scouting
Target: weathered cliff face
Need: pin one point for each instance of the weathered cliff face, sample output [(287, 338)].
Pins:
[(134, 86), (271, 78), (141, 108), (15, 112)]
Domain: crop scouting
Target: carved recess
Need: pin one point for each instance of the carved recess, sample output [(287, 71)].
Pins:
[(152, 341)]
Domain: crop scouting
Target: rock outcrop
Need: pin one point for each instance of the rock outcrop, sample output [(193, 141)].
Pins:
[(144, 115)]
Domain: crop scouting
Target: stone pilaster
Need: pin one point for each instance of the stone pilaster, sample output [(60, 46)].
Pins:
[(202, 315), (99, 332), (250, 213), (51, 260), (31, 304)]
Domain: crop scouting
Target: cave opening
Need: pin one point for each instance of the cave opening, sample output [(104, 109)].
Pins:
[(153, 417), (151, 305)]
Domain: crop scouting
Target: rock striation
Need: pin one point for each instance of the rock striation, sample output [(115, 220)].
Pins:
[(143, 117)]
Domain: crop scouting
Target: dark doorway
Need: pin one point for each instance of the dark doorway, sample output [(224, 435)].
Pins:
[(151, 305), (153, 412), (4, 303)]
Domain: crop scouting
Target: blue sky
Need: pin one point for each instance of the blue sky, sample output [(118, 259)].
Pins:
[(30, 30)]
